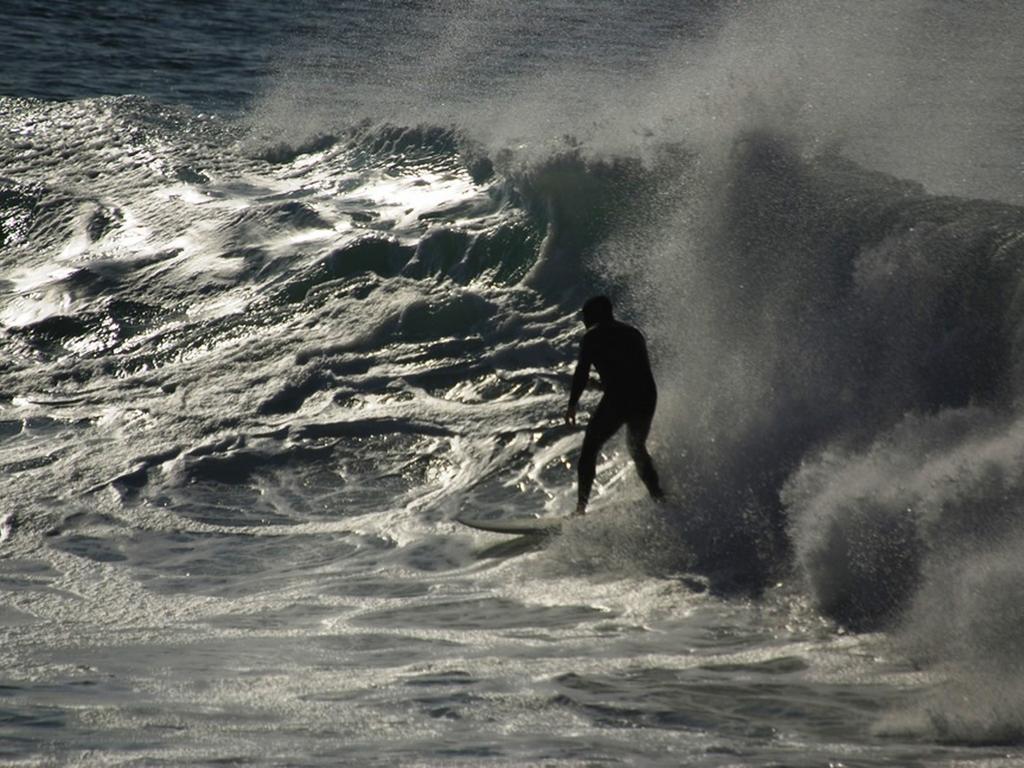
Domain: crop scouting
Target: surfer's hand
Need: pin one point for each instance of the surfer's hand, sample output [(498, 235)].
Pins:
[(570, 415)]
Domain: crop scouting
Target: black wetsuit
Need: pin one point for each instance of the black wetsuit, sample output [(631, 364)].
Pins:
[(619, 352)]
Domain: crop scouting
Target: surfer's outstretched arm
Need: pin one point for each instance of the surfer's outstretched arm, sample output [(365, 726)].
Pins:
[(579, 383)]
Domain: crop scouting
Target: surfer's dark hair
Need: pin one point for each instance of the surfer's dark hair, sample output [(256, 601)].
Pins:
[(597, 309)]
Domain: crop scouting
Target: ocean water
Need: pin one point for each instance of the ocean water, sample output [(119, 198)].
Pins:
[(286, 288)]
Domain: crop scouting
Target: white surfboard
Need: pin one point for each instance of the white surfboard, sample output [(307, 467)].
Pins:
[(518, 526)]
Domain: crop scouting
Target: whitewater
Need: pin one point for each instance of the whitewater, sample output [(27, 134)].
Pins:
[(285, 289)]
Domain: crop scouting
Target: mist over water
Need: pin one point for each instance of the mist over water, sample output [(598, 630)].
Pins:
[(920, 90), (261, 348)]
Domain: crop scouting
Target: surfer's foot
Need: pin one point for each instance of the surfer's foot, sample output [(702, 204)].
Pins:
[(579, 511)]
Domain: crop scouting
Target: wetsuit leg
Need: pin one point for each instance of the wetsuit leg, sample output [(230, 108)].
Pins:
[(605, 422), (637, 429)]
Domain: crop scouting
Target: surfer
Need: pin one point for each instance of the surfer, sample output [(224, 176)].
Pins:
[(619, 353)]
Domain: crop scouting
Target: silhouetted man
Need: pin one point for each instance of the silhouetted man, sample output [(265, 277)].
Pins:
[(619, 352)]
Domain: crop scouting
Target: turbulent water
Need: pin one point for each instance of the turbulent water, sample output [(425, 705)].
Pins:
[(287, 288)]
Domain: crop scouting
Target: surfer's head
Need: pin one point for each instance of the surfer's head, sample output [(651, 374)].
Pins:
[(597, 309)]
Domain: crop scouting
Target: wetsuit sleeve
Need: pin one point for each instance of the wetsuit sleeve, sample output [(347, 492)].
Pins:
[(579, 378)]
